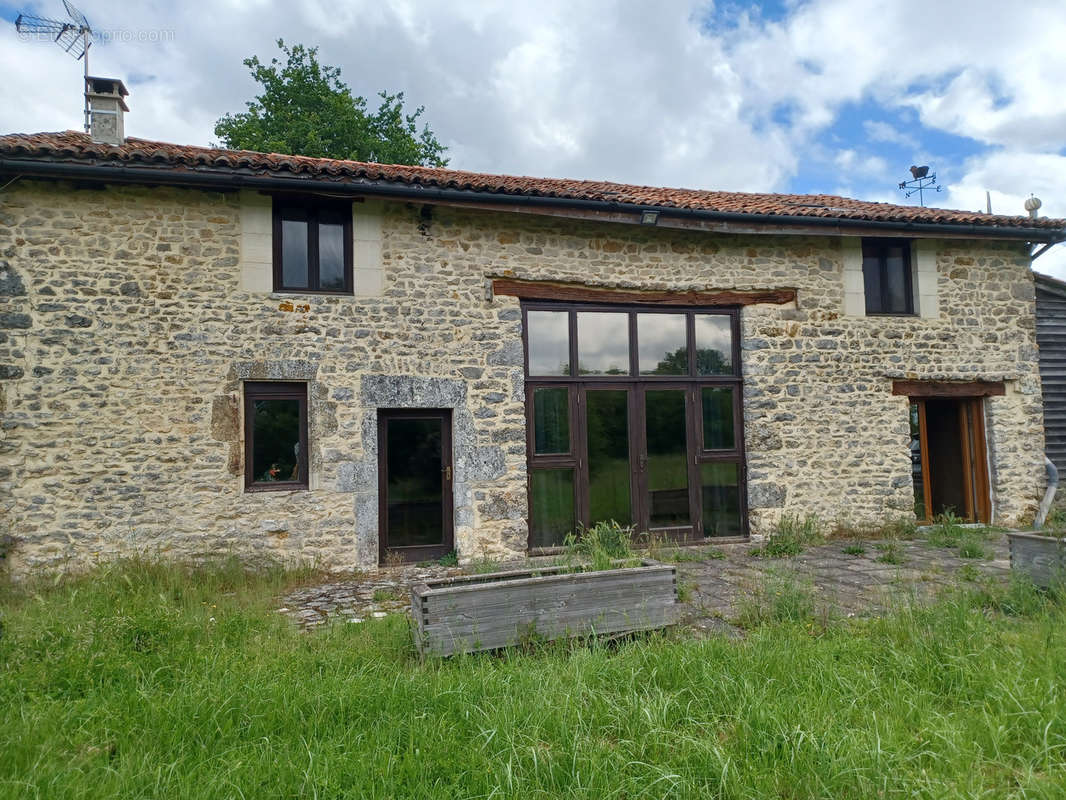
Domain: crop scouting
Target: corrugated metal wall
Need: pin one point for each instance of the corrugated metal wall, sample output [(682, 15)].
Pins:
[(1051, 337)]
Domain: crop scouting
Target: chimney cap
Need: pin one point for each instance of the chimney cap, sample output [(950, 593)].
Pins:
[(106, 87)]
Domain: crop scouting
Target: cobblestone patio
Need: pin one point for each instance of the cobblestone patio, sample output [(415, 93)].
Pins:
[(843, 583)]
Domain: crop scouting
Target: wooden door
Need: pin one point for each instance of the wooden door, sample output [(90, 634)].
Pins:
[(950, 458)]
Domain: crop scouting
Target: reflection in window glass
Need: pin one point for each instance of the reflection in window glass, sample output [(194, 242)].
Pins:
[(895, 287), (667, 458), (717, 418), (553, 506), (330, 257), (551, 421), (414, 510), (607, 413), (549, 342), (602, 343), (720, 491), (714, 344), (294, 254), (662, 344), (276, 440), (916, 464)]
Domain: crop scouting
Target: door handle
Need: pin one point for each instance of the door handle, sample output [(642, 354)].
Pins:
[(448, 473)]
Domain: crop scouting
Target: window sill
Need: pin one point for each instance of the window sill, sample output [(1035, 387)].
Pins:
[(276, 487), (312, 292), (905, 314)]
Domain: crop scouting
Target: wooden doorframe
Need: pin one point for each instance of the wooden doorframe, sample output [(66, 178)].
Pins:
[(417, 552), (974, 447)]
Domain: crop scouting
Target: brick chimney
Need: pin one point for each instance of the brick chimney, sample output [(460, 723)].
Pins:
[(106, 109)]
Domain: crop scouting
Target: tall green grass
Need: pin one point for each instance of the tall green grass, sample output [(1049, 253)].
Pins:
[(143, 681)]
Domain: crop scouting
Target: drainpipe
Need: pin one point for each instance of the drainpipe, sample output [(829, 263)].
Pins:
[(1049, 495)]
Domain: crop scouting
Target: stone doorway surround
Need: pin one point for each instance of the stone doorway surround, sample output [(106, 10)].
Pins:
[(472, 463)]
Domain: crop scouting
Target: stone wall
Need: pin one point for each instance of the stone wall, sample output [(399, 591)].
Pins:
[(128, 321)]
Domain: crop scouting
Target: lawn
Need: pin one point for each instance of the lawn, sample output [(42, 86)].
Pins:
[(142, 681)]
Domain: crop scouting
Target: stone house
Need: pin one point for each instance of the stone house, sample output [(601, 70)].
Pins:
[(206, 351)]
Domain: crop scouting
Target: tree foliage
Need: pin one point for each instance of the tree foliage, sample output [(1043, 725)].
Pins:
[(306, 109)]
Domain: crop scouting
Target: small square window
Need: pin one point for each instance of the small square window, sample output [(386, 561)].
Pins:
[(275, 436), (312, 247), (886, 273)]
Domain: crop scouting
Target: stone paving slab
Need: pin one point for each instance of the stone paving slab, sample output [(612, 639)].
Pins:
[(848, 584)]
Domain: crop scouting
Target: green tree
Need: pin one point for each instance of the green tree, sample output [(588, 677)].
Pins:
[(306, 109)]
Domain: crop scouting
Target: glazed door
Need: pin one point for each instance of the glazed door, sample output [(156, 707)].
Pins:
[(668, 506), (414, 484)]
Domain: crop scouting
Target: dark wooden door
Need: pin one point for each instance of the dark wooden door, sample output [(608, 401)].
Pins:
[(414, 484)]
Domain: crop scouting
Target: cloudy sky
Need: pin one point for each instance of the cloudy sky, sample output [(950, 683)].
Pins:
[(837, 96)]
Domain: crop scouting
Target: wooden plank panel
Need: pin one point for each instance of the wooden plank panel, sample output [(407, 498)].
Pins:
[(480, 613), (948, 388), (1042, 558), (575, 292)]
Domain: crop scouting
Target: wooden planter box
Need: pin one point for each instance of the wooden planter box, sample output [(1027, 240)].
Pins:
[(484, 612), (1042, 558)]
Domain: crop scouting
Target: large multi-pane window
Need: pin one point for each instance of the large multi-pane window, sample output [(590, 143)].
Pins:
[(634, 416)]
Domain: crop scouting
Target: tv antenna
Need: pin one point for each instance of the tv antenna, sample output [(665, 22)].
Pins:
[(921, 181), (74, 36)]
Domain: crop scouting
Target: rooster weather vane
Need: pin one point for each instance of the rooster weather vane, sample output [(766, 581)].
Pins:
[(921, 181)]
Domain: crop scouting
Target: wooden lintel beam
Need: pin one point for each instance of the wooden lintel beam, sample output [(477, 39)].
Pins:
[(579, 293), (948, 388)]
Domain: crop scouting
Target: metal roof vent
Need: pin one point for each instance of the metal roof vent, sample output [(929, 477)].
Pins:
[(106, 109)]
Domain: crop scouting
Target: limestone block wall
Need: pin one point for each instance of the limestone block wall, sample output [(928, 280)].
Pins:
[(129, 318)]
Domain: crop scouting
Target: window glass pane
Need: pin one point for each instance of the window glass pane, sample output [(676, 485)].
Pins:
[(720, 491), (276, 440), (415, 488), (551, 421), (662, 344), (607, 415), (602, 343), (667, 458), (553, 506), (714, 344), (871, 276), (330, 257), (294, 254), (895, 280), (718, 418), (916, 465), (549, 342)]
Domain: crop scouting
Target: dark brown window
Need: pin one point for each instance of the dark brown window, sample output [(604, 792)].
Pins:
[(312, 247), (634, 415), (886, 273), (275, 436)]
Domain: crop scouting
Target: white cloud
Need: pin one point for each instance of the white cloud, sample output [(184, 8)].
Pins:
[(877, 131), (643, 93)]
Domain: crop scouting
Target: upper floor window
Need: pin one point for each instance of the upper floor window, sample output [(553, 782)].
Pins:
[(886, 272), (312, 246)]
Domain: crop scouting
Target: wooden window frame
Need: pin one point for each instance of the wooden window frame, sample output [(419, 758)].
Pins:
[(876, 248), (274, 390), (310, 210), (691, 383)]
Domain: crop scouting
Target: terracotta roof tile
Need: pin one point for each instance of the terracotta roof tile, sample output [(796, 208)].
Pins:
[(73, 146)]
